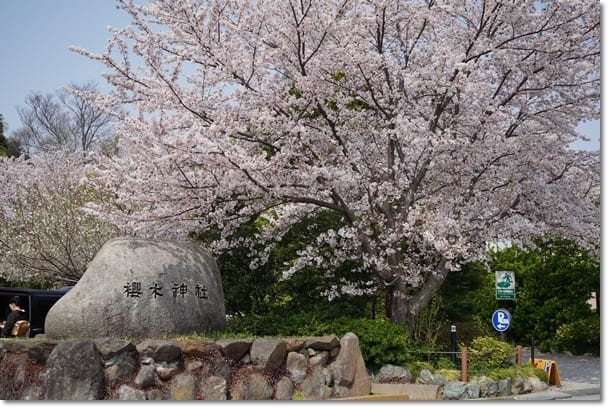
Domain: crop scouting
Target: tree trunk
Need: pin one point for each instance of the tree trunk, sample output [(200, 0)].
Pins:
[(404, 303)]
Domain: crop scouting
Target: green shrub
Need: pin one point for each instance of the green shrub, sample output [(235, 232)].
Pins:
[(487, 353), (514, 371), (581, 336)]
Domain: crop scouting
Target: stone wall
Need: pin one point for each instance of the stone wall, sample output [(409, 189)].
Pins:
[(311, 368)]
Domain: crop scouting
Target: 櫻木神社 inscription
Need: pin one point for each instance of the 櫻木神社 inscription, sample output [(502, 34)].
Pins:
[(157, 289)]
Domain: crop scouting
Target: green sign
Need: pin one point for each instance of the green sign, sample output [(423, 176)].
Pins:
[(505, 285)]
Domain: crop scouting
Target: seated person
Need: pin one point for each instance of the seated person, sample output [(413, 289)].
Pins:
[(16, 314)]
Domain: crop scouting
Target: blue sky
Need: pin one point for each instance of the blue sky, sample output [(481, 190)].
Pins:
[(35, 36)]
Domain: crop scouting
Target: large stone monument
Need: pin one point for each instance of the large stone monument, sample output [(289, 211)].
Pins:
[(141, 288)]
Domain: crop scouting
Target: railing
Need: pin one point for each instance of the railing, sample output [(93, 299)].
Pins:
[(464, 356)]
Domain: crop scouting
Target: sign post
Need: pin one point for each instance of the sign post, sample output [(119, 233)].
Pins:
[(505, 285), (501, 320)]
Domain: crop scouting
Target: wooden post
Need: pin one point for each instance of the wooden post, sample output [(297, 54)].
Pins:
[(519, 355), (463, 367)]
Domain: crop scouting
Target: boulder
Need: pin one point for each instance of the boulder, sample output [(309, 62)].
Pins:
[(197, 348), (521, 386), (296, 366), (183, 388), (315, 387), (454, 390), (322, 342), (393, 373), (214, 388), (71, 378), (267, 354), (126, 393), (251, 386), (139, 288), (39, 353), (488, 388), (427, 377), (121, 366), (284, 389), (160, 350), (110, 347), (472, 390), (146, 376), (348, 370), (504, 386), (234, 349)]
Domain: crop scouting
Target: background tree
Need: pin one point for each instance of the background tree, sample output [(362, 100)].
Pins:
[(8, 146), (63, 120), (554, 279), (45, 236), (428, 127)]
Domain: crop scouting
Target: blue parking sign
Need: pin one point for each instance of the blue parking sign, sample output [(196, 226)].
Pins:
[(501, 320)]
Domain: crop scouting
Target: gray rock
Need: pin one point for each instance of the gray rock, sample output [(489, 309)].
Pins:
[(39, 352), (239, 389), (183, 388), (454, 390), (349, 374), (32, 393), (142, 288), (110, 347), (252, 386), (166, 371), (294, 344), (197, 348), (146, 376), (393, 373), (537, 384), (321, 358), (284, 389), (322, 343), (120, 366), (504, 387), (427, 377), (74, 372), (259, 388), (216, 367), (246, 359), (315, 387), (214, 388), (472, 390), (126, 393), (268, 354), (488, 388), (160, 350), (521, 386), (234, 349), (297, 366), (154, 395), (194, 365)]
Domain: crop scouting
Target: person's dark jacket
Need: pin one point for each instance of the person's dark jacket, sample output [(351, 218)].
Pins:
[(10, 322)]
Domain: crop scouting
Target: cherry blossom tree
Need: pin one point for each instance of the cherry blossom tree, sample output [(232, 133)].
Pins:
[(45, 236), (430, 127)]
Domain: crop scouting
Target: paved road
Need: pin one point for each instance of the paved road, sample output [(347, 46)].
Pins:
[(580, 376), (578, 369)]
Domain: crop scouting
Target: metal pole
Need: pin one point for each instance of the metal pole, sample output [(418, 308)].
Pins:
[(532, 352), (453, 343)]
